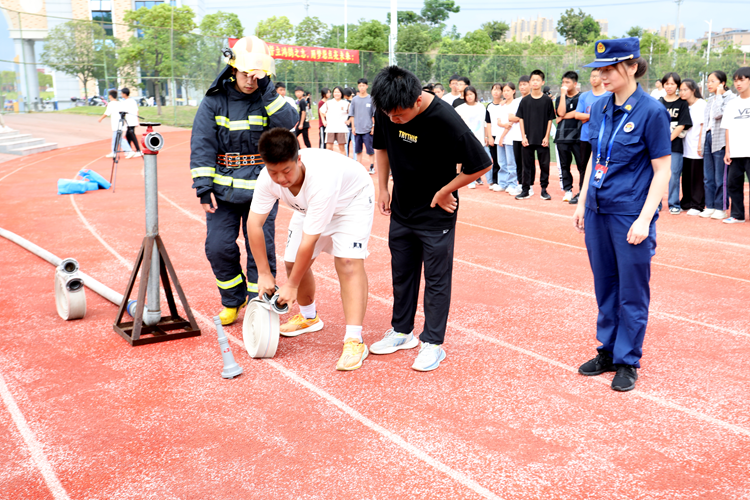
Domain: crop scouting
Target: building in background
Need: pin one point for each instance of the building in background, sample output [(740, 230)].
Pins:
[(668, 31), (524, 31), (603, 27), (727, 37)]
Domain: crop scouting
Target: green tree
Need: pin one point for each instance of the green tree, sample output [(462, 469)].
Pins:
[(405, 18), (438, 11), (152, 51), (223, 25), (371, 36), (635, 31), (275, 30), (413, 43), (496, 30), (45, 81), (206, 59), (311, 32), (7, 81), (579, 28), (77, 48)]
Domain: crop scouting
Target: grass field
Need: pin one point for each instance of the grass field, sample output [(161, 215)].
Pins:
[(183, 118)]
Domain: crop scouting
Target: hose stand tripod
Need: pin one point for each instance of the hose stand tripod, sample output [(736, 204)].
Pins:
[(148, 325)]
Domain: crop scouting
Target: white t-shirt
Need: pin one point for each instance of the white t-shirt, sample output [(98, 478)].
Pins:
[(736, 121), (449, 98), (515, 130), (337, 112), (495, 111), (693, 136), (131, 106), (474, 116), (656, 93), (331, 182), (113, 111)]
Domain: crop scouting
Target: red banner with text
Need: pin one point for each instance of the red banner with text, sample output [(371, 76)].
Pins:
[(320, 54)]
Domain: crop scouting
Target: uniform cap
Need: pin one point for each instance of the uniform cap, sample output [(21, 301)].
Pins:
[(251, 53), (609, 52)]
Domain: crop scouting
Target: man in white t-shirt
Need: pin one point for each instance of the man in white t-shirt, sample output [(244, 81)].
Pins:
[(114, 107), (131, 107), (736, 122), (659, 91), (334, 201), (455, 93)]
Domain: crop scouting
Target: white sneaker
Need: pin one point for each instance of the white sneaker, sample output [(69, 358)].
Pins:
[(136, 154), (694, 211), (429, 357), (719, 214), (531, 191), (515, 191), (498, 189), (129, 155), (732, 220), (393, 341), (473, 185), (707, 213), (568, 196), (110, 155)]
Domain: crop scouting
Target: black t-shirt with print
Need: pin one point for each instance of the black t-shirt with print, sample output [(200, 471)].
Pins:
[(302, 105), (679, 111), (423, 154), (536, 114), (568, 131)]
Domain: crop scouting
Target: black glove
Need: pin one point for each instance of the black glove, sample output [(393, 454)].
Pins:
[(263, 83), (206, 198)]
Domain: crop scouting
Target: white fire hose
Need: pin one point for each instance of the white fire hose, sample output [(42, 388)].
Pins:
[(69, 281)]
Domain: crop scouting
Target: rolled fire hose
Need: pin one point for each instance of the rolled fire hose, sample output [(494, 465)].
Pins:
[(70, 297), (260, 329), (56, 261)]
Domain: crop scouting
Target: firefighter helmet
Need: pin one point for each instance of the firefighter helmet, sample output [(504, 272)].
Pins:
[(250, 53)]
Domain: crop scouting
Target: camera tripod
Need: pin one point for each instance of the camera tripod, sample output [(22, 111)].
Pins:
[(122, 127)]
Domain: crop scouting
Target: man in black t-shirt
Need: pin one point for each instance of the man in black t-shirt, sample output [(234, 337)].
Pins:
[(420, 139), (535, 114), (568, 136), (303, 125)]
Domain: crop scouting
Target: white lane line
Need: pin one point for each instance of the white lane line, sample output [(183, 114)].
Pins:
[(93, 231), (570, 217), (35, 448), (576, 247), (28, 165), (394, 438)]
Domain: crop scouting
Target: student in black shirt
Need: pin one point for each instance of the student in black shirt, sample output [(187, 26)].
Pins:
[(535, 114), (303, 125), (420, 139), (568, 136), (679, 111)]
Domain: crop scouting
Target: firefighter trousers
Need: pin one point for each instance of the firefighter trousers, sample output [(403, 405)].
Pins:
[(222, 251)]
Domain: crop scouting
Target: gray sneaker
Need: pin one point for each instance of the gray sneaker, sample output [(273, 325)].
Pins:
[(429, 357), (393, 341)]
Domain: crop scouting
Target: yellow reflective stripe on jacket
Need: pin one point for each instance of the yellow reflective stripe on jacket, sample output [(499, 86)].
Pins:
[(244, 184), (276, 105), (223, 180), (202, 172), (239, 125), (222, 121), (229, 284), (258, 120), (252, 287)]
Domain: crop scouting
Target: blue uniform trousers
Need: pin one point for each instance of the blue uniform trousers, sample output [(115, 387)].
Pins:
[(621, 281), (222, 231)]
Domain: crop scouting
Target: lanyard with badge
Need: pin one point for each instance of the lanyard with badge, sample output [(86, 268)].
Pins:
[(601, 170)]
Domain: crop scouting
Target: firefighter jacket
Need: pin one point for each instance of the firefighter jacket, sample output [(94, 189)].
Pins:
[(229, 121)]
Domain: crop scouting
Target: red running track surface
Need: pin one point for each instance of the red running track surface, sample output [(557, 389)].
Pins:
[(84, 415)]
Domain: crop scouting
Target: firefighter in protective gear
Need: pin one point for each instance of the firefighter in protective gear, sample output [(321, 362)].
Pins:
[(224, 162)]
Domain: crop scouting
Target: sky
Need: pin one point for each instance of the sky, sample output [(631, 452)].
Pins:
[(621, 14)]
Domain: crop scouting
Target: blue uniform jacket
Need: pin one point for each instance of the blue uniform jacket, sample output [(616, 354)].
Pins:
[(229, 121), (644, 136)]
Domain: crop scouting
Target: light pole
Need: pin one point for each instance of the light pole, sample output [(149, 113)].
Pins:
[(708, 46), (394, 33)]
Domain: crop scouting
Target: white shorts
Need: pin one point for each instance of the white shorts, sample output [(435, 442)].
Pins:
[(347, 234)]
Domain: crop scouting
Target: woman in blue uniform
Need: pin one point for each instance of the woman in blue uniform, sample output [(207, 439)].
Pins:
[(618, 207)]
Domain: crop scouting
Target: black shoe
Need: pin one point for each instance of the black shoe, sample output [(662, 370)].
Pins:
[(625, 378), (523, 196), (372, 169), (574, 200), (545, 195), (600, 364)]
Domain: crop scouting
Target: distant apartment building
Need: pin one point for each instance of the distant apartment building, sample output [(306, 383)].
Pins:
[(524, 31), (728, 36), (603, 27), (669, 32)]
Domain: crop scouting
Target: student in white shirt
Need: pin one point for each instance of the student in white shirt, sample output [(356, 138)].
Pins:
[(131, 107), (474, 114), (334, 114), (505, 153), (736, 122), (113, 111), (455, 93), (659, 91), (693, 193), (492, 115), (333, 199)]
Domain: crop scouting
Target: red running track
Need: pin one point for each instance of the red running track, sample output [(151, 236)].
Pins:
[(84, 415)]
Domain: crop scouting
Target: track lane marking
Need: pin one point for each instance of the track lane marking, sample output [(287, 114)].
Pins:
[(32, 443), (28, 165)]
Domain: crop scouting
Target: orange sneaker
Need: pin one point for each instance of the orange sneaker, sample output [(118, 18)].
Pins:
[(354, 354), (299, 325)]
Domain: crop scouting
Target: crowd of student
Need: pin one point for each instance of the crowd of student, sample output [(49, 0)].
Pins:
[(710, 146)]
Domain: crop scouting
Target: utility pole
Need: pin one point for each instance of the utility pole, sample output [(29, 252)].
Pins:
[(394, 33), (677, 25), (708, 47), (307, 8)]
